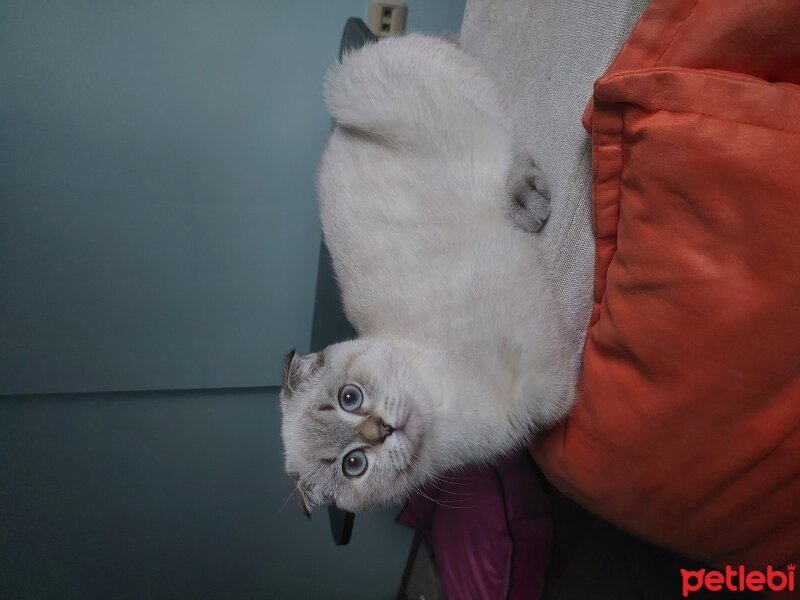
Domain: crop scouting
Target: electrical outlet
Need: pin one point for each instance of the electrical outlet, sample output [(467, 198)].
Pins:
[(386, 18)]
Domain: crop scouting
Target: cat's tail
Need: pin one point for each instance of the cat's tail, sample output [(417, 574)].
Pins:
[(414, 89)]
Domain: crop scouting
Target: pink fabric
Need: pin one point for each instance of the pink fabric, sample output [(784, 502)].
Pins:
[(492, 537)]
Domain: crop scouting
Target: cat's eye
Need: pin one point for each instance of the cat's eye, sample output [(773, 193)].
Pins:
[(350, 397), (354, 463)]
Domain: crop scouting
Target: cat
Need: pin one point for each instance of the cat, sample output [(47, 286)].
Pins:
[(430, 213)]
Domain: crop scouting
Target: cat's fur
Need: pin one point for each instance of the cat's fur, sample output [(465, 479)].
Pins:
[(427, 210)]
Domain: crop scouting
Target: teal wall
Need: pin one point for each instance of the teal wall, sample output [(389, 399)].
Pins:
[(158, 254), (157, 166), (170, 496)]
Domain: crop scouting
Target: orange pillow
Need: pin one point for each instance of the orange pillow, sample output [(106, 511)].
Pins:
[(687, 428)]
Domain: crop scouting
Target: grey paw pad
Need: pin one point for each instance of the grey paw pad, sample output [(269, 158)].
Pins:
[(530, 200)]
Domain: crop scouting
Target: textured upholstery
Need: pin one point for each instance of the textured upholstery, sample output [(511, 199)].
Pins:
[(547, 54)]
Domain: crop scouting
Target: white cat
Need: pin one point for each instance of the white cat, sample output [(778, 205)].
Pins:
[(429, 214)]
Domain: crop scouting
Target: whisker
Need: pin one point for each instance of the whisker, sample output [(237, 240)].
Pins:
[(285, 502), (444, 478), (418, 468), (439, 502), (444, 491)]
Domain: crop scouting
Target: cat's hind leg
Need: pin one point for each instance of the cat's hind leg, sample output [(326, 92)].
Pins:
[(528, 196)]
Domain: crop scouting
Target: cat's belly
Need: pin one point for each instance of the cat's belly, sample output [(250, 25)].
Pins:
[(483, 290)]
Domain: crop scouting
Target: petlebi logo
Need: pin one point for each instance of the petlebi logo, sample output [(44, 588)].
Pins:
[(739, 580)]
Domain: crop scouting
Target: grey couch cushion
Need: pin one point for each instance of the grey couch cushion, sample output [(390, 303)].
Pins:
[(547, 54)]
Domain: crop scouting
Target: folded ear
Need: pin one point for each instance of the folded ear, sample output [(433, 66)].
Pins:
[(297, 369), (302, 499), (287, 365)]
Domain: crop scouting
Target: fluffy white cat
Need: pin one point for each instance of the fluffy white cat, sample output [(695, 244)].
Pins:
[(430, 214)]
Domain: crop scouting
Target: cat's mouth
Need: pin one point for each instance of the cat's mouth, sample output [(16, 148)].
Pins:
[(407, 428), (401, 426)]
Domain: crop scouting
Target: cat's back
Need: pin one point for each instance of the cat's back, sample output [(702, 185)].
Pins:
[(411, 181)]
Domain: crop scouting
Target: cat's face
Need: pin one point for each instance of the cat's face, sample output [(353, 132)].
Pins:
[(354, 421)]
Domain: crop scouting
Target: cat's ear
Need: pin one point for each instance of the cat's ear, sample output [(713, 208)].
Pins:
[(287, 366), (302, 499), (297, 369)]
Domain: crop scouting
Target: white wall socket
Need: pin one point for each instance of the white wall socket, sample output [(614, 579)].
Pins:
[(386, 18)]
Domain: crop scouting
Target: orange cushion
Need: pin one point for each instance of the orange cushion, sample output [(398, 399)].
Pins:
[(687, 428)]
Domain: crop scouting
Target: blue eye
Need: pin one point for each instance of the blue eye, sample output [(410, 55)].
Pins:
[(354, 463), (350, 397)]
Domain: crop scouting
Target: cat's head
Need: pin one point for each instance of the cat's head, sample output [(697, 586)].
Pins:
[(354, 421)]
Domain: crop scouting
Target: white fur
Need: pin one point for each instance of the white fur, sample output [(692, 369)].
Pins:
[(414, 200)]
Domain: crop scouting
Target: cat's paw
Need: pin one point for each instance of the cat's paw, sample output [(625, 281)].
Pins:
[(529, 197)]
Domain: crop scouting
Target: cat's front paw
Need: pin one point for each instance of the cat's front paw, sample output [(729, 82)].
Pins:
[(529, 197)]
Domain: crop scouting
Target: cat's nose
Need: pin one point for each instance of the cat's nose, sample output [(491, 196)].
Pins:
[(385, 429), (375, 430)]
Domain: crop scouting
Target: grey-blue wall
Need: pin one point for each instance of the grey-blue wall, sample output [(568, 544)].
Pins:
[(158, 255), (170, 495), (157, 158)]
